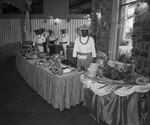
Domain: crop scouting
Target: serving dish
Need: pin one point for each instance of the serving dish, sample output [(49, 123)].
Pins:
[(31, 56), (142, 81)]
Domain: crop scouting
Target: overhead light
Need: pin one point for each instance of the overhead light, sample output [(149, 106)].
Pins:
[(99, 15)]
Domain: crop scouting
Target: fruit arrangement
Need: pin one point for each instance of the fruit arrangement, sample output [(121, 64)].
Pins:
[(116, 74), (56, 68)]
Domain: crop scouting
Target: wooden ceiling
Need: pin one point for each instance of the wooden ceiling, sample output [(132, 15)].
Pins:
[(80, 6), (16, 6)]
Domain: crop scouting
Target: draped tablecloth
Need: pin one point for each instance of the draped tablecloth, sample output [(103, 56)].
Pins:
[(61, 91), (116, 103)]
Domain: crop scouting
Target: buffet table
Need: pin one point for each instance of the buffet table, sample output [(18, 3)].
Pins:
[(116, 104), (61, 91)]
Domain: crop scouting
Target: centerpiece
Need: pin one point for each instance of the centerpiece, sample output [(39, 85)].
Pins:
[(56, 67), (115, 70), (120, 70)]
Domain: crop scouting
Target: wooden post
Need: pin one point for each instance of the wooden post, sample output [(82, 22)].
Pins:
[(22, 27)]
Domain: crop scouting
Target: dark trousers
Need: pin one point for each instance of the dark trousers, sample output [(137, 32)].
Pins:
[(57, 49), (52, 50), (44, 45)]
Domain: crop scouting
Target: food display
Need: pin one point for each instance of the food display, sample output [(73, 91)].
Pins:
[(42, 59), (56, 67), (54, 70), (42, 55), (27, 44), (44, 62), (57, 58), (27, 48)]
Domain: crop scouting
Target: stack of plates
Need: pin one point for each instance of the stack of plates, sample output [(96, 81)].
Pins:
[(92, 70)]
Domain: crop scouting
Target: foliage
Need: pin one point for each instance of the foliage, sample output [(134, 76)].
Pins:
[(125, 57), (124, 43)]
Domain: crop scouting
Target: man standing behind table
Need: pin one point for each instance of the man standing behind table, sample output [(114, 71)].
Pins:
[(46, 35), (51, 42), (39, 39), (64, 41), (84, 48)]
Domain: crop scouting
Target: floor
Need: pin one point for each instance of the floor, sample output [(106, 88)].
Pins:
[(20, 104)]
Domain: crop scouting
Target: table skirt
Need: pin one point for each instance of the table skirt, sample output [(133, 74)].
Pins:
[(60, 91), (117, 110)]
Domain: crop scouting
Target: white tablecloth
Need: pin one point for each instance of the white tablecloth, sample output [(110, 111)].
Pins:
[(60, 91), (105, 86)]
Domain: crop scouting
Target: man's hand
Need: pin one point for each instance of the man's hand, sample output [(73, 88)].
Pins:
[(48, 49)]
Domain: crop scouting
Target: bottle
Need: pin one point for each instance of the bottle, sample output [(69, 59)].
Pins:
[(60, 71), (61, 49)]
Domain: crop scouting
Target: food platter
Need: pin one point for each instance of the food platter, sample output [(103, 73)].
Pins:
[(142, 81), (44, 62), (31, 56)]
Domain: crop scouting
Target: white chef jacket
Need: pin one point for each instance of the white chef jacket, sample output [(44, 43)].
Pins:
[(84, 47), (65, 39), (39, 39)]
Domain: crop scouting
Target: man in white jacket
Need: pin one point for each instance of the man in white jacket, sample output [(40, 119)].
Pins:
[(84, 49), (64, 41), (39, 39)]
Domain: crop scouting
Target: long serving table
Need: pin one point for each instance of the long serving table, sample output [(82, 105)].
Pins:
[(116, 104), (61, 91)]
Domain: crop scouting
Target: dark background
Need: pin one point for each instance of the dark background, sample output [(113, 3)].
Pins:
[(75, 7), (36, 8)]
